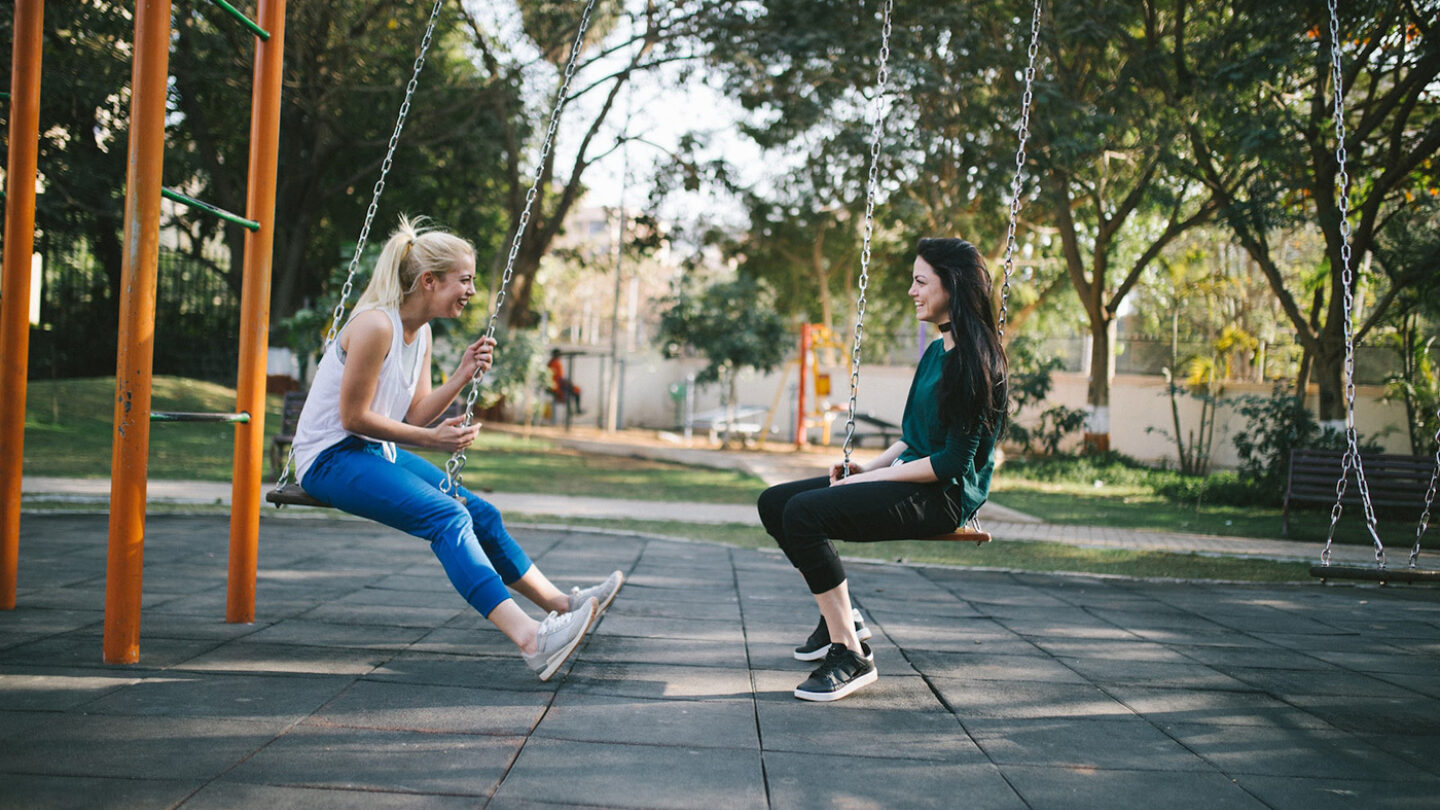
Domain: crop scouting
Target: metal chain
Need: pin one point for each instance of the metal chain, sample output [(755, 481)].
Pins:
[(1352, 448), (1015, 183), (872, 185), (1429, 498), (456, 463), (339, 312)]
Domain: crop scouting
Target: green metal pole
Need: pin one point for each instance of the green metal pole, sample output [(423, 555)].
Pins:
[(170, 194), (246, 21)]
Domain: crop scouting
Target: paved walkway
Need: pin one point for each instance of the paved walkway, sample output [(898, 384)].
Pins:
[(366, 682)]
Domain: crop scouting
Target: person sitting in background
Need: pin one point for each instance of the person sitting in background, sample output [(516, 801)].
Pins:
[(561, 387)]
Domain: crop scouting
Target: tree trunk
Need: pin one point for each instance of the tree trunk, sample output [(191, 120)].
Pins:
[(285, 268), (1097, 400), (1329, 373)]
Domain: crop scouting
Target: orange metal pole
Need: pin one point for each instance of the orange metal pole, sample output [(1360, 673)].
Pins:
[(255, 316), (134, 358), (15, 292)]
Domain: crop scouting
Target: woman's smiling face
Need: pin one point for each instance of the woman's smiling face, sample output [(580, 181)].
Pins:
[(454, 291), (932, 302)]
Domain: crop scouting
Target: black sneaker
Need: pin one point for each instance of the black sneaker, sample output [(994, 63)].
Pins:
[(842, 672), (818, 644)]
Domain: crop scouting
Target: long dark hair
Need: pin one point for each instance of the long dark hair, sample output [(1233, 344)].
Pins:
[(972, 383)]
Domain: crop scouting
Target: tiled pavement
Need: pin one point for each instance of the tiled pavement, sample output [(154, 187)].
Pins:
[(366, 682)]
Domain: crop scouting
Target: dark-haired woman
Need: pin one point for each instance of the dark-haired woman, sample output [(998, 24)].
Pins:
[(929, 482)]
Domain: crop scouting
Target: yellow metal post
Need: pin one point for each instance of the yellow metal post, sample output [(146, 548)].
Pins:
[(134, 359), (15, 293), (255, 316)]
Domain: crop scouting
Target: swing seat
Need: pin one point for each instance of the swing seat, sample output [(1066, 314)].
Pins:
[(1372, 574), (962, 535), (294, 495)]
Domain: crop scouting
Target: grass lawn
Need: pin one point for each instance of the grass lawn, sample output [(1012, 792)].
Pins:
[(68, 432), (1135, 506), (1023, 556)]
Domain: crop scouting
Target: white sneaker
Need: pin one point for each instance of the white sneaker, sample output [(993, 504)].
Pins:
[(603, 594), (558, 636)]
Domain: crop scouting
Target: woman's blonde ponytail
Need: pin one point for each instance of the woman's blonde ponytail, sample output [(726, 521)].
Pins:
[(412, 251)]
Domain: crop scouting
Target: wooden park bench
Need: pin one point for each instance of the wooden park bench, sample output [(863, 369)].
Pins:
[(1394, 481), (868, 427), (289, 419)]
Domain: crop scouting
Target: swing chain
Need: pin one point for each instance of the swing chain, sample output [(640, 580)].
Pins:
[(1016, 182), (872, 185), (1429, 499), (1352, 449), (456, 463), (349, 286)]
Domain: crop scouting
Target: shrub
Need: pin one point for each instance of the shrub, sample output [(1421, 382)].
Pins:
[(1030, 383), (1275, 425)]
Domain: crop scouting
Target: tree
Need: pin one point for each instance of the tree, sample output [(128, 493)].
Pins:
[(806, 72), (657, 35), (1263, 138), (733, 325), (1408, 247), (84, 121), (1105, 150), (347, 63)]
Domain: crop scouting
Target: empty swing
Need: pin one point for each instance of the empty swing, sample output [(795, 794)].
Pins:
[(1352, 458), (286, 493), (971, 532)]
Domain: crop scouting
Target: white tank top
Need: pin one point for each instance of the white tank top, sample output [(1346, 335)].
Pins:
[(319, 426)]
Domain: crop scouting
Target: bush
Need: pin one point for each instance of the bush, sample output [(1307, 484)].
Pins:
[(1111, 468), (1030, 383), (1220, 487), (1275, 425)]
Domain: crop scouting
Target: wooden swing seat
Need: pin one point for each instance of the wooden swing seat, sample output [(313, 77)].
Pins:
[(294, 495), (1370, 574), (962, 535)]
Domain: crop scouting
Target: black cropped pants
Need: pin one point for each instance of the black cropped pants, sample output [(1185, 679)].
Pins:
[(804, 516)]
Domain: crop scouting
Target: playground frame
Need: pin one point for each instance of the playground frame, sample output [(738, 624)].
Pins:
[(135, 348)]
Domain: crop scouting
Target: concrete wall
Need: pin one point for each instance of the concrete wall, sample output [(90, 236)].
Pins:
[(1136, 403)]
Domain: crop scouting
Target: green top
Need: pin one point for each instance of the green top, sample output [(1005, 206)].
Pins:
[(961, 458)]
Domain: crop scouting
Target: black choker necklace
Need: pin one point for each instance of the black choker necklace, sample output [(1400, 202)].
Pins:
[(945, 327)]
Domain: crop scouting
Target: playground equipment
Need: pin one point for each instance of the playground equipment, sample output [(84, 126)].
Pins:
[(24, 134), (1352, 459), (134, 355), (816, 411), (150, 76)]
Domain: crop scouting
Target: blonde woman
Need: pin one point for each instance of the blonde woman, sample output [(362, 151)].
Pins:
[(372, 391)]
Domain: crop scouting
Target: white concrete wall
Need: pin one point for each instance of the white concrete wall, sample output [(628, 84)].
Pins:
[(1136, 403)]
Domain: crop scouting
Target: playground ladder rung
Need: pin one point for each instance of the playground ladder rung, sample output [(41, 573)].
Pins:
[(245, 21), (191, 416), (207, 207)]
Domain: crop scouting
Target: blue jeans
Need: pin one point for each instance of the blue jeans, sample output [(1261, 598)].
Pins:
[(478, 555)]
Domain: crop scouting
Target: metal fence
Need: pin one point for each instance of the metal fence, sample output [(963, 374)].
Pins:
[(197, 316)]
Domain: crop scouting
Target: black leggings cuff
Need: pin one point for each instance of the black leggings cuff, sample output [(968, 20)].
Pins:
[(826, 575)]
